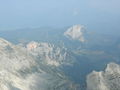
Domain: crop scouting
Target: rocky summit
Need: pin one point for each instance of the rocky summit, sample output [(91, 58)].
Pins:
[(20, 71), (105, 80)]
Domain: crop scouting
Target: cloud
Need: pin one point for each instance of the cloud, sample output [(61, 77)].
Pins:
[(76, 12)]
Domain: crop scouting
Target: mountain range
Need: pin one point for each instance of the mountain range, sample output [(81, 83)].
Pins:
[(59, 59)]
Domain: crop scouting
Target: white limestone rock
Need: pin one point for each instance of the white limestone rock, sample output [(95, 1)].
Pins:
[(75, 32), (105, 80), (49, 53), (20, 71)]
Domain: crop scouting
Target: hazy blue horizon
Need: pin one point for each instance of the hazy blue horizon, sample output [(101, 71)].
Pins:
[(94, 14)]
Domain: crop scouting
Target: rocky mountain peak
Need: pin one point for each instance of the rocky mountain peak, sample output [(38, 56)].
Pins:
[(105, 80), (20, 71), (75, 33), (48, 53)]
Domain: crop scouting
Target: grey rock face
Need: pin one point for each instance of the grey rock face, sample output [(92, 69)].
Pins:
[(49, 54), (75, 33), (20, 71), (105, 80)]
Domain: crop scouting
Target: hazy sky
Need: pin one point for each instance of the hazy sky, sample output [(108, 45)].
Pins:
[(94, 14)]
